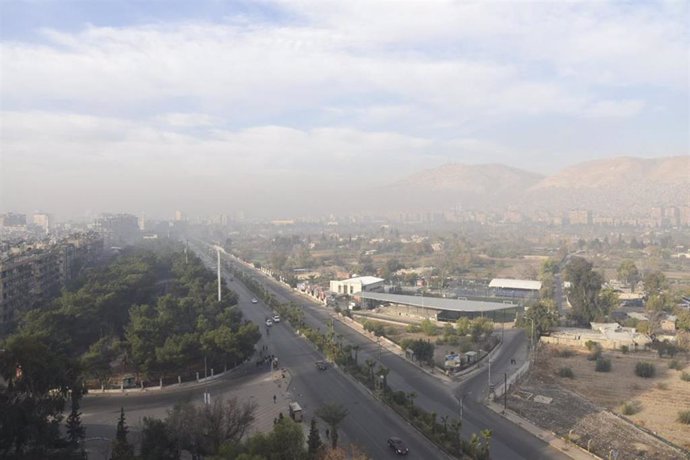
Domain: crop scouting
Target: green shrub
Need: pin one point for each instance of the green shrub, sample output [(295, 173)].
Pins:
[(662, 385), (631, 408), (412, 328), (625, 349), (594, 354), (603, 365), (645, 370), (564, 352), (684, 417), (675, 364), (428, 327), (566, 372), (590, 344), (685, 376)]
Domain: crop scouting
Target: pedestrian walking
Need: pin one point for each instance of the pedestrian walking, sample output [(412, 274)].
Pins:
[(274, 399), (328, 433)]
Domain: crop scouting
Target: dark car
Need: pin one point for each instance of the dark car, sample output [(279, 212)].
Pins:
[(398, 446), (321, 365)]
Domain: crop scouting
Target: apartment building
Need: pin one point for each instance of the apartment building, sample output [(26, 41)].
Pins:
[(32, 273)]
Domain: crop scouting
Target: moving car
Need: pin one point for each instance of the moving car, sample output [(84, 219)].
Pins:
[(321, 365), (254, 300), (398, 446), (269, 323), (276, 318)]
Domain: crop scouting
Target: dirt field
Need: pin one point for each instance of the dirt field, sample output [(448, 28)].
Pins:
[(659, 398), (588, 407)]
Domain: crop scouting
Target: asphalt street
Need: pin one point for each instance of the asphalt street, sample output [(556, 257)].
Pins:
[(508, 442), (369, 423)]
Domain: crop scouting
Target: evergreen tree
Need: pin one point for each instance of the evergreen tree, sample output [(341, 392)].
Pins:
[(314, 439), (122, 450), (75, 430)]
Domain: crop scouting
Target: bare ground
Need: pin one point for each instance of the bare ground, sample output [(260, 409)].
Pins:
[(587, 407)]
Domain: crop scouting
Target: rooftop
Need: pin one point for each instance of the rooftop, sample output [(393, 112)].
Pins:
[(504, 283), (435, 303), (365, 280)]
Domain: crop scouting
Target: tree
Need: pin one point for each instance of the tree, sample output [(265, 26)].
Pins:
[(314, 440), (428, 327), (628, 272), (75, 430), (542, 317), (655, 282), (287, 440), (583, 294), (121, 449), (157, 442), (38, 379), (332, 414)]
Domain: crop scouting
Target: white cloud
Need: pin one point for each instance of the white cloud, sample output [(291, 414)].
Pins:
[(338, 88)]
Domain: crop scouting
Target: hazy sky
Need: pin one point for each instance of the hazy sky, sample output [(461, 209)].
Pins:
[(152, 106)]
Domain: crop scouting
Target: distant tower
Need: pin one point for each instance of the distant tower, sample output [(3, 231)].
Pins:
[(179, 216)]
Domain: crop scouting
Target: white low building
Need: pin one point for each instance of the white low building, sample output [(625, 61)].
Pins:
[(354, 285)]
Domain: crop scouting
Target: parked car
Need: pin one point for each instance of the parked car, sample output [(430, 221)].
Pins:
[(398, 446), (276, 318), (321, 365), (254, 300)]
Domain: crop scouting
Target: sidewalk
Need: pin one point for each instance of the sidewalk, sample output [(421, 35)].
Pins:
[(569, 449)]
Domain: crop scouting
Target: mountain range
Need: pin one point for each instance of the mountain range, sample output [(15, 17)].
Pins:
[(616, 186)]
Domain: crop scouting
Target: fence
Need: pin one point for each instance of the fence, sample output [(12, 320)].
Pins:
[(513, 378)]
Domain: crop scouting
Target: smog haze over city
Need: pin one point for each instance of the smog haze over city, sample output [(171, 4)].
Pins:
[(330, 230), (280, 108)]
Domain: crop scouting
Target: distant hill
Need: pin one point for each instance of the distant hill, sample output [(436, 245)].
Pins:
[(615, 186), (469, 186)]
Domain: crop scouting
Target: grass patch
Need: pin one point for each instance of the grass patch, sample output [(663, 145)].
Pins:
[(675, 364), (662, 386), (684, 417), (563, 353), (685, 377), (566, 372), (645, 370), (631, 408)]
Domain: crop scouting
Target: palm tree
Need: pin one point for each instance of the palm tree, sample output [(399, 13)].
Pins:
[(486, 438), (356, 349), (332, 414), (383, 372), (444, 420), (370, 364)]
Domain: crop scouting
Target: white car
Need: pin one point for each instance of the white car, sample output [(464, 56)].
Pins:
[(276, 318), (254, 300), (269, 323)]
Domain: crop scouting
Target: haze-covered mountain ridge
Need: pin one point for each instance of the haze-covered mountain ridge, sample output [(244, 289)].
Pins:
[(615, 186)]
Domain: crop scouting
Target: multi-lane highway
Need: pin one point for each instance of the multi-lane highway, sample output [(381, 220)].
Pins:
[(509, 441), (369, 423)]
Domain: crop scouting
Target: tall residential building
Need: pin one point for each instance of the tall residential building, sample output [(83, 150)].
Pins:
[(42, 220), (31, 274), (118, 229)]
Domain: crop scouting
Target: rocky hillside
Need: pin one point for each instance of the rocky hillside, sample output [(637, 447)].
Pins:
[(614, 186)]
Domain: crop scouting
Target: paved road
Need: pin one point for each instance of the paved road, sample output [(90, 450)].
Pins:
[(368, 424), (509, 441)]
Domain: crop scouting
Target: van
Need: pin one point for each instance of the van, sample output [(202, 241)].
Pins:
[(295, 411)]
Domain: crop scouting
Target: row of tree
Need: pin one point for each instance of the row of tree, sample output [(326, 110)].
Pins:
[(219, 431)]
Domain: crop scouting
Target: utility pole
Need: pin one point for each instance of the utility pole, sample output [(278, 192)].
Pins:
[(505, 391), (218, 254), (489, 373)]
